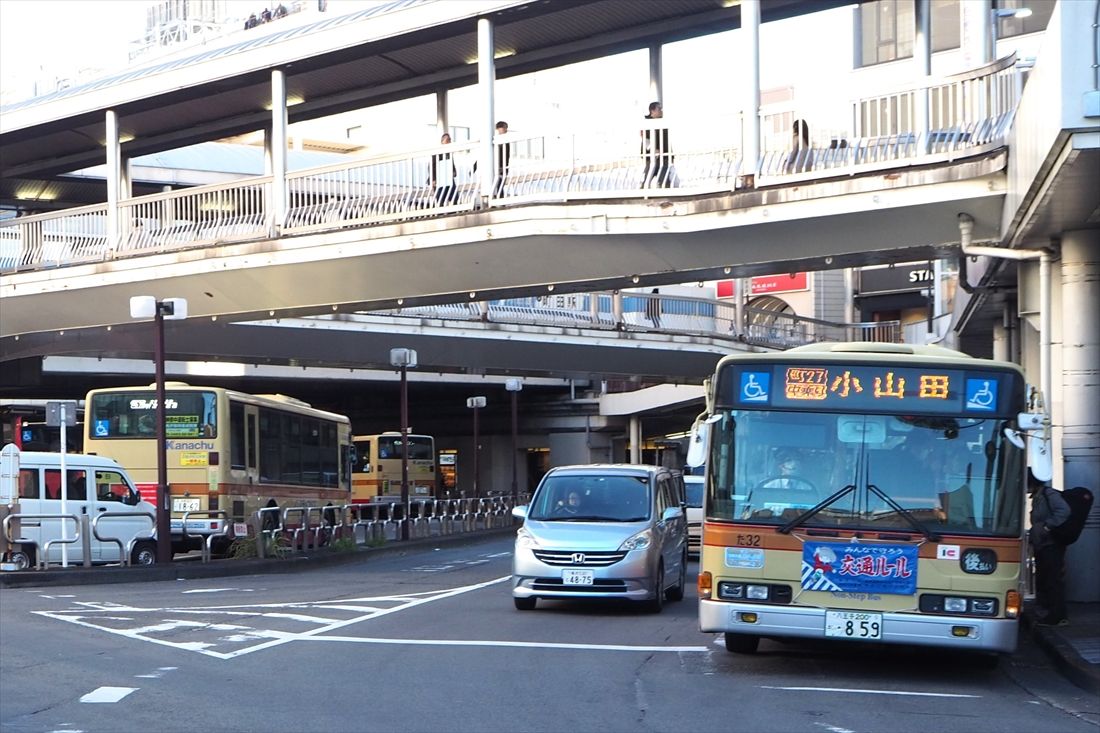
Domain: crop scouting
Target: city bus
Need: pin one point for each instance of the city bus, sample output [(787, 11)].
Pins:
[(225, 451), (377, 474), (863, 492), (23, 422)]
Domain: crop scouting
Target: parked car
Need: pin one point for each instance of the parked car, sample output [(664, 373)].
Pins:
[(96, 487), (602, 531), (693, 507)]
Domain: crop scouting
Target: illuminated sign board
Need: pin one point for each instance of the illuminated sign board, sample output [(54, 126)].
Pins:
[(848, 387)]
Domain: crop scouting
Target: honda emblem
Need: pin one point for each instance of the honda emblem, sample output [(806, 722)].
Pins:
[(578, 558)]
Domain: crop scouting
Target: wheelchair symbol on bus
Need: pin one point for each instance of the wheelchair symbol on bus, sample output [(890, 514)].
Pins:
[(102, 428), (981, 394), (755, 386)]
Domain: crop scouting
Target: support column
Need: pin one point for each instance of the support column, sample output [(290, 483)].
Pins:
[(442, 120), (486, 80), (1081, 400), (750, 108), (922, 56), (656, 75), (277, 214), (114, 176), (635, 439)]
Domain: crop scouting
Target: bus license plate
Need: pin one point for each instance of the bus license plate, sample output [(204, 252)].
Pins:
[(185, 505), (576, 577), (852, 625)]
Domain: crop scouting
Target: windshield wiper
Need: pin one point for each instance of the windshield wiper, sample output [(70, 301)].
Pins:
[(812, 511), (906, 514), (584, 518)]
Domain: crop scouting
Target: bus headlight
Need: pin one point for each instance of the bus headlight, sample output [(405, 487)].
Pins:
[(954, 605)]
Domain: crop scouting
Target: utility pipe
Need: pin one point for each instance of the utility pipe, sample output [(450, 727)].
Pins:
[(966, 231)]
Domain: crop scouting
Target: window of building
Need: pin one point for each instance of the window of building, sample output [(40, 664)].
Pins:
[(887, 29), (1041, 11)]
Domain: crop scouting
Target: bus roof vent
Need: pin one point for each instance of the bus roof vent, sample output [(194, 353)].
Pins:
[(872, 347), (288, 400), (170, 384)]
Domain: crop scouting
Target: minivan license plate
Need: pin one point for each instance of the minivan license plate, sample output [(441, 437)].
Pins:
[(576, 577), (853, 625)]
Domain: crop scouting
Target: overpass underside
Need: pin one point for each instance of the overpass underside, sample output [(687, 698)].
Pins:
[(892, 216)]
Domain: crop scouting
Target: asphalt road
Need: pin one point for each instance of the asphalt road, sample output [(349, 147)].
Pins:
[(428, 640)]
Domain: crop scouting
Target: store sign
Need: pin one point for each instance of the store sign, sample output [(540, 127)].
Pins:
[(766, 285), (901, 279)]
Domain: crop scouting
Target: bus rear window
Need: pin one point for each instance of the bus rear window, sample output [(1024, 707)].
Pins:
[(133, 415)]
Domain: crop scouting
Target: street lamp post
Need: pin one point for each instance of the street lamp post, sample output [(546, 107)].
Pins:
[(404, 359), (147, 306), (476, 403), (514, 386)]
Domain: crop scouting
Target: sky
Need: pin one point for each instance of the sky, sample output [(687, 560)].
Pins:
[(54, 38)]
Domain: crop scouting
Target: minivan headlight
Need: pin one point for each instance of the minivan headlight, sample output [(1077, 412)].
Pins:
[(639, 541), (525, 539)]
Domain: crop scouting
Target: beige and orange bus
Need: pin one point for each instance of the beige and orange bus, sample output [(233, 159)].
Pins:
[(225, 450), (377, 475), (864, 492)]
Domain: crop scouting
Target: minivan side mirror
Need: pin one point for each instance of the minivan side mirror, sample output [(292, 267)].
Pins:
[(519, 512), (673, 512)]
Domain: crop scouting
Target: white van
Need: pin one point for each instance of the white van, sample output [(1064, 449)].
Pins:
[(96, 486)]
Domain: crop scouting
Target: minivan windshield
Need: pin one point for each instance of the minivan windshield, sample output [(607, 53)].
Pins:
[(592, 498)]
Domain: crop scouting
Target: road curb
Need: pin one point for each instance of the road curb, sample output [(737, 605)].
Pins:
[(1067, 660), (228, 568)]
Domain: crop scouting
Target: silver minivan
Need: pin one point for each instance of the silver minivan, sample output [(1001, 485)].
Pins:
[(602, 531)]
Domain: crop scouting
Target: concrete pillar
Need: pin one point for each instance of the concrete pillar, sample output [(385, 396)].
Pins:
[(922, 57), (750, 109), (656, 75), (277, 214), (486, 80), (617, 309), (114, 176), (1000, 343), (442, 120), (1081, 399), (635, 439)]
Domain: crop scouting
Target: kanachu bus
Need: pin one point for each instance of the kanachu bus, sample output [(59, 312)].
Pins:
[(864, 492), (225, 450), (377, 474)]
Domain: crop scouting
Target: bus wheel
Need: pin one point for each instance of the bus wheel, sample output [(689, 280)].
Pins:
[(742, 643), (144, 553), (23, 559)]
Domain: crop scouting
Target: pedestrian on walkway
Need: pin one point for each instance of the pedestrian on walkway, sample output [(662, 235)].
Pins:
[(656, 151), (1048, 511), (653, 308)]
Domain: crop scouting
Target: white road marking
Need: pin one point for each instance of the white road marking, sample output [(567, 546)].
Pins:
[(156, 675), (108, 694), (58, 596), (521, 644), (219, 590), (833, 728), (868, 692), (275, 638)]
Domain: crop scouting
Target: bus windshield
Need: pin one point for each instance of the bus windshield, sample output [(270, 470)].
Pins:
[(896, 473), (421, 447)]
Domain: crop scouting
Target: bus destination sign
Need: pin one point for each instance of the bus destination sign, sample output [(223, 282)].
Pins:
[(872, 388)]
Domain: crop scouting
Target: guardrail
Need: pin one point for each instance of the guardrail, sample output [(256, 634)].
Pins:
[(125, 553), (376, 522), (42, 554), (968, 114), (208, 539)]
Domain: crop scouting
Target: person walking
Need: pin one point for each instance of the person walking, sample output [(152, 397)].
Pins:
[(444, 175), (1048, 511), (504, 159), (653, 308), (656, 151)]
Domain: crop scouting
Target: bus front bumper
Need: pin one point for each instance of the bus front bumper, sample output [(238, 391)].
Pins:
[(983, 634)]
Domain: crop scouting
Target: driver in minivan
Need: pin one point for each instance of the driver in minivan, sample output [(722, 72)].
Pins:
[(571, 506)]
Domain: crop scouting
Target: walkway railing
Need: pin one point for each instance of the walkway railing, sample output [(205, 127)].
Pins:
[(657, 312), (967, 115)]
